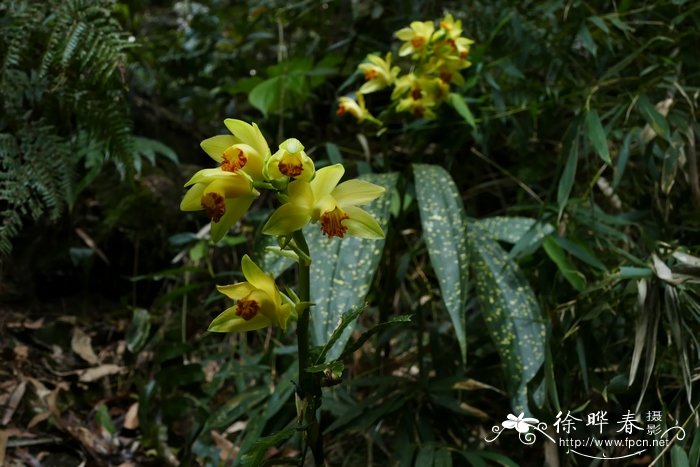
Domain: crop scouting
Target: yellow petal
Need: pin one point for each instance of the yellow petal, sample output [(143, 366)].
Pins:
[(215, 146), (209, 175), (404, 34), (356, 193), (258, 278), (193, 198), (229, 321), (236, 291), (326, 179), (249, 134), (234, 187), (235, 208), (267, 308), (283, 314), (286, 219), (300, 193), (362, 224)]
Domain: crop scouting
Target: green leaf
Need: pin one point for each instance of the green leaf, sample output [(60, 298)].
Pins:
[(694, 452), (596, 135), (570, 273), (622, 159), (443, 458), (346, 319), (678, 457), (283, 391), (425, 457), (600, 23), (139, 330), (266, 96), (334, 154), (581, 252), (255, 455), (512, 228), (510, 311), (457, 101), (566, 182), (629, 272), (342, 270), (356, 345), (445, 233), (656, 121), (336, 366), (584, 35), (104, 419)]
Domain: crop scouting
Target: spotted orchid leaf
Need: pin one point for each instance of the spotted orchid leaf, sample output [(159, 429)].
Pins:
[(342, 270), (510, 310), (445, 233)]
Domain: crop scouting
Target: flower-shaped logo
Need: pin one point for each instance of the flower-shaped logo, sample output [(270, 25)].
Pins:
[(521, 423)]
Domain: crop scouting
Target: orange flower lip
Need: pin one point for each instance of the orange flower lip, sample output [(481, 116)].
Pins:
[(371, 74), (247, 309), (291, 168), (215, 205), (332, 223), (232, 162), (418, 42)]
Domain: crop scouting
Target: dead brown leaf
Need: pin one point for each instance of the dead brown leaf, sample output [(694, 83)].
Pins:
[(81, 344), (38, 418), (93, 374), (131, 419), (21, 352), (3, 446), (15, 399), (227, 451)]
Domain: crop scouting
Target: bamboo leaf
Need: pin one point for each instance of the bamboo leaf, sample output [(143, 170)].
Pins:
[(510, 311), (596, 135), (445, 233), (571, 149), (570, 273), (457, 101), (256, 454), (342, 271), (656, 121)]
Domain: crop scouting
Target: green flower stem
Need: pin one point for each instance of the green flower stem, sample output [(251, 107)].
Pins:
[(309, 383)]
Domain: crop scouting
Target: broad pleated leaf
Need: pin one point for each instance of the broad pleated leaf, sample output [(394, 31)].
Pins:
[(445, 233), (510, 311), (342, 270)]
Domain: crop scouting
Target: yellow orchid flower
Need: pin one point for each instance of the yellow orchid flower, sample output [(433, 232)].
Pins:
[(416, 37), (335, 206), (451, 28), (355, 108), (224, 195), (245, 149), (419, 94), (290, 161), (378, 73), (258, 303), (420, 108)]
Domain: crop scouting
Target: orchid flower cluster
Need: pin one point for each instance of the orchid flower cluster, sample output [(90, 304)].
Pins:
[(438, 54), (245, 166)]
